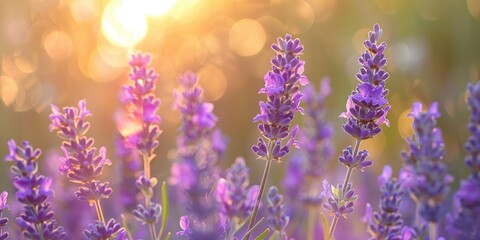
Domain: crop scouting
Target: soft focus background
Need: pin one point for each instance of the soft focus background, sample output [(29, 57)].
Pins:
[(61, 51)]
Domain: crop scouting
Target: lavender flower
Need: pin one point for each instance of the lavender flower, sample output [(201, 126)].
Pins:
[(277, 219), (3, 220), (339, 202), (367, 106), (102, 231), (431, 179), (141, 132), (233, 194), (387, 223), (282, 87), (81, 163), (195, 171), (466, 224), (33, 190)]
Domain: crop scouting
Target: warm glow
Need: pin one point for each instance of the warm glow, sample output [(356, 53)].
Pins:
[(58, 45), (214, 82), (124, 23), (405, 124), (154, 8), (247, 37), (8, 90)]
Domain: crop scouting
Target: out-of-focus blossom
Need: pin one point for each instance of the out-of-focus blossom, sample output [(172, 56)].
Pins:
[(387, 223), (282, 87), (277, 219), (235, 196), (367, 106), (3, 220), (33, 190), (430, 177), (110, 230), (466, 223)]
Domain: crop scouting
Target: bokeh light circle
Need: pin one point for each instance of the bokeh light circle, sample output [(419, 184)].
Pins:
[(247, 37), (214, 82)]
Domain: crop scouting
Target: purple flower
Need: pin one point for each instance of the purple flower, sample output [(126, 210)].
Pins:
[(359, 161), (466, 223), (277, 219), (198, 151), (387, 223), (33, 190), (185, 226), (234, 195), (283, 99), (102, 231), (81, 163), (430, 176), (140, 120), (339, 203), (367, 106), (3, 220)]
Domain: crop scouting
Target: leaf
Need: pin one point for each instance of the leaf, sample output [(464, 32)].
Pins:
[(164, 210), (167, 237), (263, 235), (325, 227)]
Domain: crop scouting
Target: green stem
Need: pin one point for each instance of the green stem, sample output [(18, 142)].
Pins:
[(344, 188), (260, 193)]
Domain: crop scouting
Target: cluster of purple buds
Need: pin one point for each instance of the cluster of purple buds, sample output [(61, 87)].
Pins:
[(81, 163), (130, 164), (234, 195), (3, 220), (147, 214), (33, 190), (101, 231), (388, 222), (431, 179), (367, 105), (277, 219), (283, 100), (466, 224), (359, 161), (141, 124), (339, 203)]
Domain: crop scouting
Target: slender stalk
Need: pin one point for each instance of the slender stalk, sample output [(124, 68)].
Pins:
[(432, 232), (98, 208), (146, 171), (260, 193), (344, 188), (311, 223)]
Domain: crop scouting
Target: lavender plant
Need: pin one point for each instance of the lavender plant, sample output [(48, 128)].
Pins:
[(33, 190), (277, 219), (3, 220), (82, 165), (282, 87), (430, 177), (387, 223), (305, 171), (142, 123), (466, 223), (195, 171), (235, 197), (367, 108)]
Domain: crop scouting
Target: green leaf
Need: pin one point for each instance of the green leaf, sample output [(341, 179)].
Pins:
[(164, 210), (263, 235), (167, 237), (325, 227)]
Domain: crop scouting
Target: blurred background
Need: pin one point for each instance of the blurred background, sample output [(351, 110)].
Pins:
[(61, 51)]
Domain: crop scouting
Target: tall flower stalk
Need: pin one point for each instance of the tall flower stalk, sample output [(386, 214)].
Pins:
[(367, 108), (33, 190), (141, 132), (466, 223), (277, 219), (3, 220), (83, 165), (430, 176), (282, 87), (199, 148)]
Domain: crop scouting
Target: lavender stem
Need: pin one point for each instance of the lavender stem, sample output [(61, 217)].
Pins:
[(344, 187), (432, 232), (98, 208), (311, 223), (146, 170), (262, 188)]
